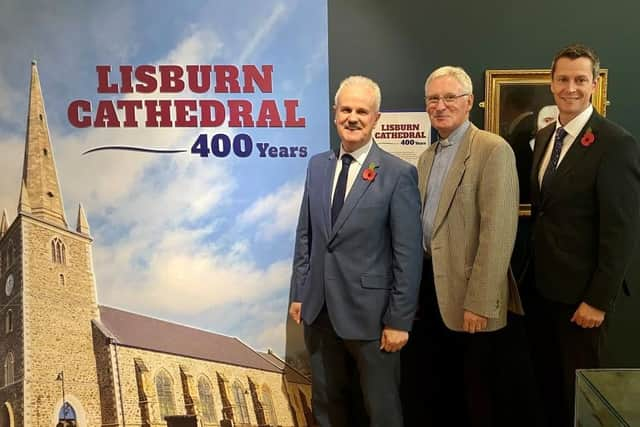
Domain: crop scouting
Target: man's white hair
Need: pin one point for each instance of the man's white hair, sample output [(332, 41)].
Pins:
[(363, 82), (456, 72)]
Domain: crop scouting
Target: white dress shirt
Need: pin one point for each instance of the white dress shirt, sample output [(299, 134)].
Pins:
[(359, 156), (573, 128)]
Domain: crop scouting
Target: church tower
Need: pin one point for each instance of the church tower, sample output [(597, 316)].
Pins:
[(48, 296)]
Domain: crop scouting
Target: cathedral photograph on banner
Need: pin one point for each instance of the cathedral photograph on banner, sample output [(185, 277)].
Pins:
[(145, 231)]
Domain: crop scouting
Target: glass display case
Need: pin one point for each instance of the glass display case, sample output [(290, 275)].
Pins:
[(607, 397)]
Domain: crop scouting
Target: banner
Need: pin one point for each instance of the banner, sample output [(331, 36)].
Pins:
[(179, 135), (404, 134)]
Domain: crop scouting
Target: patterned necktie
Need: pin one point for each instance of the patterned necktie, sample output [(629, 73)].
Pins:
[(555, 158), (341, 188)]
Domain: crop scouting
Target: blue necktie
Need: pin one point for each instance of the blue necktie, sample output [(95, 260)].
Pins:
[(555, 158), (341, 188)]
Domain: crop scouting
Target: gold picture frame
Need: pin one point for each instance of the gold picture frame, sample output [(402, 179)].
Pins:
[(511, 95)]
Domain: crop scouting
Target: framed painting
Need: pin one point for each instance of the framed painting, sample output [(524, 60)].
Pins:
[(517, 104)]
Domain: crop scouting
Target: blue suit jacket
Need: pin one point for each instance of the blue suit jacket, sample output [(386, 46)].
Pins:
[(367, 267)]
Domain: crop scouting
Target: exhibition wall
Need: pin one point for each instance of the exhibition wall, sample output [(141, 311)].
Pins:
[(399, 43)]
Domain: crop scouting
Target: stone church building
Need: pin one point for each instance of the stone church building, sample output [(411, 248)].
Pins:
[(67, 361)]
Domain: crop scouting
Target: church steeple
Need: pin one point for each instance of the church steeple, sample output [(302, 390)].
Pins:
[(39, 169), (82, 225)]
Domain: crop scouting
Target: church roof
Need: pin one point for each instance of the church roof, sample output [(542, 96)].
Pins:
[(137, 331)]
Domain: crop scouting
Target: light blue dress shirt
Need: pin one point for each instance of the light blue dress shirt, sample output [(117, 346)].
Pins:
[(446, 150)]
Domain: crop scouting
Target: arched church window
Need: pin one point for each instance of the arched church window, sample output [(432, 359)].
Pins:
[(58, 251), (206, 400), (9, 363), (164, 388), (241, 403), (8, 321), (267, 406), (10, 256)]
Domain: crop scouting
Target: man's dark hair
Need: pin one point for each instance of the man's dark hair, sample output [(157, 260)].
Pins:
[(576, 51)]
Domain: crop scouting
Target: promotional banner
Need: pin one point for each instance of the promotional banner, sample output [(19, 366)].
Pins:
[(404, 134), (153, 157)]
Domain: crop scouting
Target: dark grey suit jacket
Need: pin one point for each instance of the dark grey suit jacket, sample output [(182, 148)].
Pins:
[(587, 223)]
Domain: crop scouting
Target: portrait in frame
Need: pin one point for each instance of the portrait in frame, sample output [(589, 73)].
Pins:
[(517, 104)]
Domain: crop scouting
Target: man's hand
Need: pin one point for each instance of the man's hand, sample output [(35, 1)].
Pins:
[(588, 316), (473, 323), (393, 340), (295, 310)]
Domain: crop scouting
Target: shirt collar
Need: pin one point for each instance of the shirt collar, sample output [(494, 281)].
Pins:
[(455, 136), (360, 154), (574, 126)]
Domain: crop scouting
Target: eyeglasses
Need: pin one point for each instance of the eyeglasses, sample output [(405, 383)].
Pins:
[(448, 99)]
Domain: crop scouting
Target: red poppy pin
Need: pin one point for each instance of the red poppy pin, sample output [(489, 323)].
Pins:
[(588, 138), (369, 174)]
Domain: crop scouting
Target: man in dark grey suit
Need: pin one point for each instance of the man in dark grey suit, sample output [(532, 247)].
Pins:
[(357, 264), (585, 188)]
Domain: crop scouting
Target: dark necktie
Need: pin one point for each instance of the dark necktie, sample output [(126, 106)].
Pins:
[(555, 157), (341, 187)]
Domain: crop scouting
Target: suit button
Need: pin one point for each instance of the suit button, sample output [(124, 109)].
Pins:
[(330, 250)]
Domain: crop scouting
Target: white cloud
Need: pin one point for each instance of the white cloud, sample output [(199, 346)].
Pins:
[(9, 98), (317, 64), (275, 213), (262, 32), (185, 275), (272, 337), (200, 47)]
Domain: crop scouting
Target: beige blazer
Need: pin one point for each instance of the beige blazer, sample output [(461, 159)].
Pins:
[(474, 230)]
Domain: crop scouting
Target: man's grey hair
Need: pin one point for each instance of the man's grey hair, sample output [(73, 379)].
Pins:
[(456, 72), (361, 81)]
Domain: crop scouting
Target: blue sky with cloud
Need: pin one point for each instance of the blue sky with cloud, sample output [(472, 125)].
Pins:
[(200, 241)]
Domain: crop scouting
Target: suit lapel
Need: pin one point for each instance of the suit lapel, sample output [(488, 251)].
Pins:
[(358, 189), (571, 159), (454, 176), (542, 141), (575, 154), (327, 181), (424, 170)]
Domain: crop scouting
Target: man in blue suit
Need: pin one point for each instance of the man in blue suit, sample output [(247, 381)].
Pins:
[(357, 264)]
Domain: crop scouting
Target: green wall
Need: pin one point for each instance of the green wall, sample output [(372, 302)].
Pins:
[(398, 43)]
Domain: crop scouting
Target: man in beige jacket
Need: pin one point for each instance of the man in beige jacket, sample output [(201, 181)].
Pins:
[(469, 189)]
